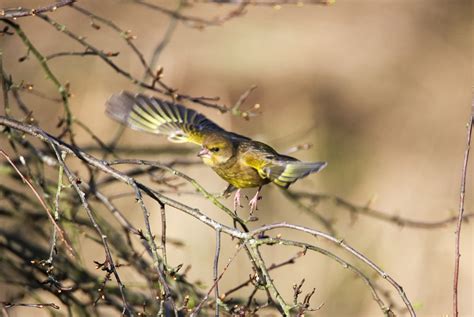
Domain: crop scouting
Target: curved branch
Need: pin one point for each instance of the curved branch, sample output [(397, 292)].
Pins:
[(346, 247)]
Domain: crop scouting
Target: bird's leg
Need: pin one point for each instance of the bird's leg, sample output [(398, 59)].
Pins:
[(237, 200), (253, 202)]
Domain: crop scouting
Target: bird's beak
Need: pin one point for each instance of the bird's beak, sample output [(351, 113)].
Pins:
[(204, 153)]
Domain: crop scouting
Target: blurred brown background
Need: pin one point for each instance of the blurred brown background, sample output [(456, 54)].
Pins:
[(382, 89)]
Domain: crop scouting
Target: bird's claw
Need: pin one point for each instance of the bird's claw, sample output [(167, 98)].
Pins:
[(237, 200), (253, 202)]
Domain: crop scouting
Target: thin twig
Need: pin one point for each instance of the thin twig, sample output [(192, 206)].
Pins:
[(163, 234), (197, 309), (5, 86), (296, 196), (83, 53), (20, 12), (42, 305), (164, 42), (56, 209), (191, 21), (216, 269), (236, 110), (462, 194), (271, 3)]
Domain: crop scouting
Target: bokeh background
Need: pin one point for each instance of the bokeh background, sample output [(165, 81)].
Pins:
[(381, 89)]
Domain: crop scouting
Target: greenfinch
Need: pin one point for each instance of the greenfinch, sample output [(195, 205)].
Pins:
[(239, 160)]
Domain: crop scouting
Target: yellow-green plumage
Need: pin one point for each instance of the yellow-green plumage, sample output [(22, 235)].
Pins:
[(240, 161)]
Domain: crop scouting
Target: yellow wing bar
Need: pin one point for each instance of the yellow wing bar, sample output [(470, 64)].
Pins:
[(153, 115)]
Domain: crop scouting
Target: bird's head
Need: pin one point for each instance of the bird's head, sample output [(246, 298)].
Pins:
[(216, 149)]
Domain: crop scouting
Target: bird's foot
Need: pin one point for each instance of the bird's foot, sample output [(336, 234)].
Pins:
[(253, 202), (237, 200)]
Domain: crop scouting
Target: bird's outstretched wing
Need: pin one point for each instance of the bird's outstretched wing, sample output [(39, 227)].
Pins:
[(149, 114), (280, 169)]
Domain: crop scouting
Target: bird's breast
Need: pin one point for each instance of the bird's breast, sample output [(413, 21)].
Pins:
[(240, 176)]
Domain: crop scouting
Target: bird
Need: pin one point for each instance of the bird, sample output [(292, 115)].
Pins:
[(239, 160)]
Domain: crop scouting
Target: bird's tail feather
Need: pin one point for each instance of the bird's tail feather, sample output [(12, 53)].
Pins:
[(287, 173)]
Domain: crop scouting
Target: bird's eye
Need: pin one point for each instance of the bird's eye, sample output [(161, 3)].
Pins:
[(214, 149)]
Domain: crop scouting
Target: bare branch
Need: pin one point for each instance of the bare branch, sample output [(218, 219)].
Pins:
[(355, 210), (462, 194), (20, 12), (271, 3), (42, 305)]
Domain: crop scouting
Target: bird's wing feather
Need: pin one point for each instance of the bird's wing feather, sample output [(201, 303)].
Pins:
[(287, 172), (280, 169), (153, 115)]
